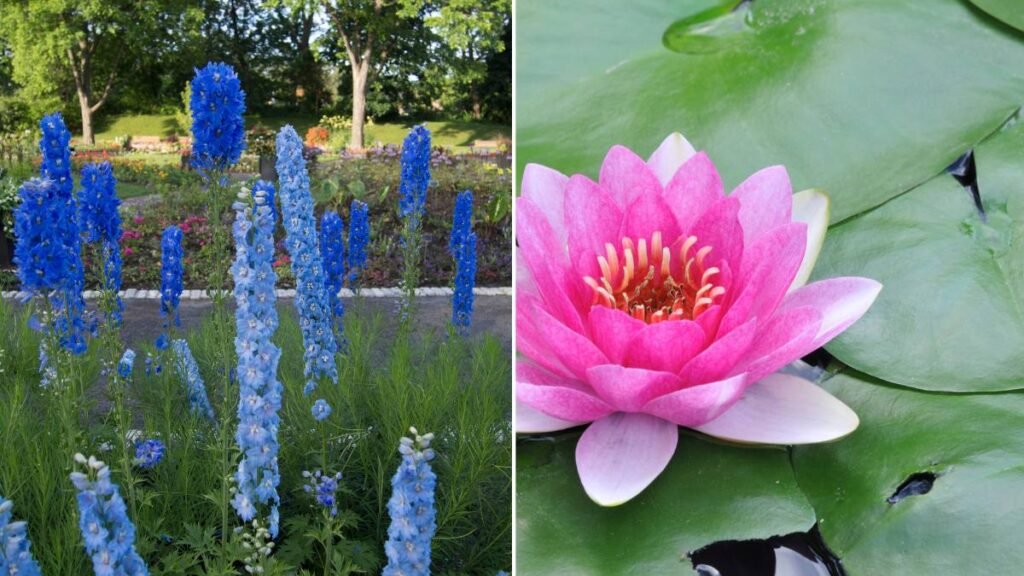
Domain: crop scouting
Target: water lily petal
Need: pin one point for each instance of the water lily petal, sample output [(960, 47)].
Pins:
[(628, 389), (784, 409), (719, 227), (693, 189), (769, 268), (575, 350), (670, 155), (548, 264), (592, 219), (529, 420), (525, 284), (612, 331), (698, 404), (812, 208), (646, 215), (620, 455), (626, 176), (718, 360), (665, 346), (841, 301), (787, 336), (546, 189), (561, 398), (765, 202), (532, 344)]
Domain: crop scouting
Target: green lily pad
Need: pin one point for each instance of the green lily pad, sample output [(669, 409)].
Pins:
[(709, 492), (969, 521), (1009, 11), (951, 313), (864, 99)]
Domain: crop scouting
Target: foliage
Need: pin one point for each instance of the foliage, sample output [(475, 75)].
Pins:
[(458, 389)]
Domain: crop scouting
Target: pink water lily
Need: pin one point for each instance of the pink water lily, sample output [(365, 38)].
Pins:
[(650, 300)]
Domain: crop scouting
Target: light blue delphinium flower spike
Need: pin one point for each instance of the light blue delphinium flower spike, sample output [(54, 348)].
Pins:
[(411, 508), (15, 556), (108, 533)]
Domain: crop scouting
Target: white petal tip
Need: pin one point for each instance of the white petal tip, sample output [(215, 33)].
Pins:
[(673, 152), (532, 421), (784, 409)]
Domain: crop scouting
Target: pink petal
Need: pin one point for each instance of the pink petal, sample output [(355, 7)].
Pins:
[(841, 301), (766, 200), (693, 189), (666, 346), (525, 283), (626, 176), (532, 421), (699, 404), (719, 227), (646, 215), (718, 360), (785, 337), (548, 264), (628, 389), (612, 331), (670, 155), (546, 189), (769, 267), (812, 208), (560, 398), (618, 456), (592, 219), (784, 409), (574, 350), (531, 343)]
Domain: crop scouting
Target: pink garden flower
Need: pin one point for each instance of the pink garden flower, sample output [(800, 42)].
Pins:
[(651, 300)]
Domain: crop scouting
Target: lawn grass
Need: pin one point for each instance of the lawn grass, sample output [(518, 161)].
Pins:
[(456, 134)]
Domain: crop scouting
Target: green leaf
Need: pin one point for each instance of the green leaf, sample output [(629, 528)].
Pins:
[(709, 492), (951, 313), (969, 523), (1009, 11), (863, 99)]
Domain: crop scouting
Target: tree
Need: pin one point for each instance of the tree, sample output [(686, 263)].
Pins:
[(60, 43)]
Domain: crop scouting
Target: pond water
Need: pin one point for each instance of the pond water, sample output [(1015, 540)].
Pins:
[(797, 554)]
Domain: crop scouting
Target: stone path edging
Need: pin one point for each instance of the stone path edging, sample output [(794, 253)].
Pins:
[(136, 294)]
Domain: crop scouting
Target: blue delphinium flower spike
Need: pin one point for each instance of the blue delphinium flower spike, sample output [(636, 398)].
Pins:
[(267, 189), (108, 533), (415, 173), (324, 489), (465, 279), (218, 128), (462, 222), (172, 267), (358, 238), (412, 509), (101, 224), (15, 556), (259, 390), (149, 453), (312, 301), (321, 410), (332, 231), (188, 370)]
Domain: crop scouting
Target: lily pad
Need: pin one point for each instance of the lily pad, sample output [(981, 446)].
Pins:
[(1009, 11), (864, 99), (951, 313), (966, 521), (708, 492)]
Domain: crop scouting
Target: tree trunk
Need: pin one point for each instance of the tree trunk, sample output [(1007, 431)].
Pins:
[(87, 134), (360, 71)]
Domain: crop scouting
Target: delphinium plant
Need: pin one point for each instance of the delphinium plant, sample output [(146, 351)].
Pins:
[(100, 221), (257, 476), (107, 531), (312, 301), (412, 201), (358, 239), (218, 140), (332, 242), (413, 517), (15, 556), (462, 246)]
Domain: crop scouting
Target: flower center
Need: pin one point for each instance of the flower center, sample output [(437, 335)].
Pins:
[(639, 280)]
